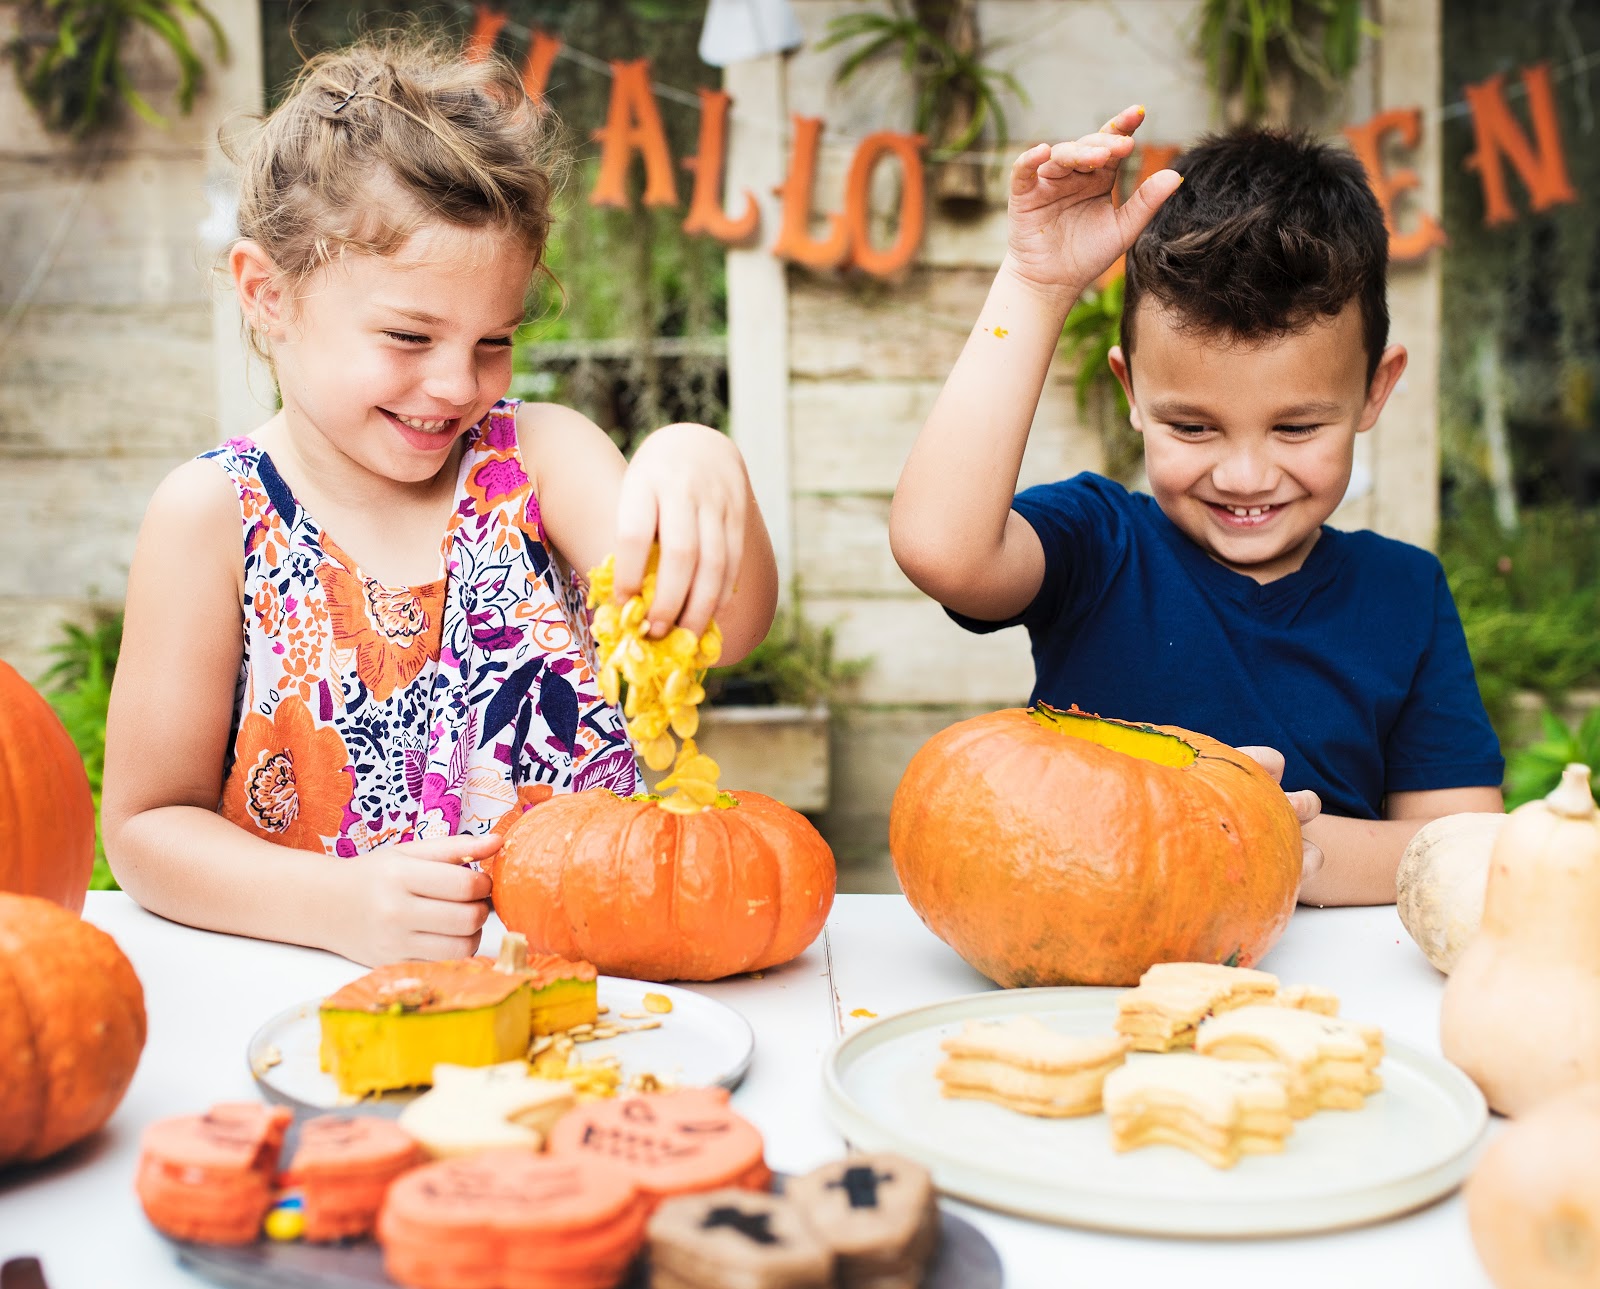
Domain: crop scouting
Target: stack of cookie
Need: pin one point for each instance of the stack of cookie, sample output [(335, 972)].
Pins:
[(1164, 1011), (1025, 1066), (1218, 1110), (210, 1177), (512, 1217), (865, 1222), (1332, 1064), (341, 1167)]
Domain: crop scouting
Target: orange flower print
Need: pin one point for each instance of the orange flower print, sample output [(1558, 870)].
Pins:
[(291, 781), (395, 632)]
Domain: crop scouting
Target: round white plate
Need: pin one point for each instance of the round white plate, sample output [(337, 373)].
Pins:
[(700, 1043), (1413, 1141)]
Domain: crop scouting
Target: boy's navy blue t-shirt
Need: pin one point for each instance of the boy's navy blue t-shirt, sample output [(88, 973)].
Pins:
[(1354, 666)]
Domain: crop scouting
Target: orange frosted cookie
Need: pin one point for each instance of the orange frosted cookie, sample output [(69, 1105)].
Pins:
[(209, 1177), (673, 1143), (512, 1217), (342, 1165)]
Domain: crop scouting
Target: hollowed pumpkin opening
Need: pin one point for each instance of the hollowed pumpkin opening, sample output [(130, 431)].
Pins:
[(1132, 740)]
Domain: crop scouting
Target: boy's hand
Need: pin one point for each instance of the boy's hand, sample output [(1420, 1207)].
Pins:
[(1063, 230), (686, 488), (417, 899), (1307, 806)]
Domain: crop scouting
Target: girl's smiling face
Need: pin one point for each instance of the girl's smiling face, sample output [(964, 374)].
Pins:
[(1249, 445), (388, 359)]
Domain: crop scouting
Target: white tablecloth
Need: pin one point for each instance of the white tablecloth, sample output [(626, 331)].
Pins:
[(206, 994)]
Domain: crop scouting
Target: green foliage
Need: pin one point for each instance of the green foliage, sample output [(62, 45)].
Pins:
[(1092, 329), (940, 70), (1533, 771), (78, 686), (1529, 600), (69, 56), (795, 664), (1243, 42)]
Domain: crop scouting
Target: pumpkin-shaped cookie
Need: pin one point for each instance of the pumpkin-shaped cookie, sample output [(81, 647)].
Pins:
[(671, 1143)]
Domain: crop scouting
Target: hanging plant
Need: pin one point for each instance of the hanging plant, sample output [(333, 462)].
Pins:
[(1092, 328), (68, 56), (959, 100), (1251, 45)]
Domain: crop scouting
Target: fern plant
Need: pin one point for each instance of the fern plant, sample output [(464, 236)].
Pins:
[(78, 686), (940, 71), (1091, 330), (68, 56), (1243, 42), (1532, 772)]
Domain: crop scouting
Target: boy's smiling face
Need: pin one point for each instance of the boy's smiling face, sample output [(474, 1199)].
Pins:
[(1248, 445)]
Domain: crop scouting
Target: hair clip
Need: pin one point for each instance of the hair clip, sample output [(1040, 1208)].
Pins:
[(348, 95)]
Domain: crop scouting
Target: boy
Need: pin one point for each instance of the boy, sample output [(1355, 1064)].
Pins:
[(1254, 350)]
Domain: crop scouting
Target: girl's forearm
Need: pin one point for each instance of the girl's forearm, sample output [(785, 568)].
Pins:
[(193, 866), (1361, 857), (958, 482)]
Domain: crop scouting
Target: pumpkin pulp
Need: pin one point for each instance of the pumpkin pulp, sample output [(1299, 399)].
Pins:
[(1142, 741)]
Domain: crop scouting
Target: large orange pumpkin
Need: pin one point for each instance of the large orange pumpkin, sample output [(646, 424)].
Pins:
[(72, 1027), (647, 893), (46, 808), (1052, 848)]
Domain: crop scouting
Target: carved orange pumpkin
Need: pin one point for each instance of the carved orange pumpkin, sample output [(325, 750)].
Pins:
[(46, 809), (1051, 848), (72, 1027), (647, 893)]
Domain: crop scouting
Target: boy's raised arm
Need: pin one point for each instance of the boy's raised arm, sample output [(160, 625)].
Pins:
[(951, 525)]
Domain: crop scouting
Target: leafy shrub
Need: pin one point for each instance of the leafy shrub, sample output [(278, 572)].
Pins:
[(1532, 771), (78, 686)]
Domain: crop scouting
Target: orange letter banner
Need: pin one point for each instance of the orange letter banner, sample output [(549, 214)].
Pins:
[(633, 123), (1541, 163), (795, 242), (536, 66), (1367, 141), (486, 25), (865, 256), (705, 205)]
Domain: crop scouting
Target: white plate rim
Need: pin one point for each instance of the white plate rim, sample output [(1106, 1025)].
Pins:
[(306, 1010), (959, 1176)]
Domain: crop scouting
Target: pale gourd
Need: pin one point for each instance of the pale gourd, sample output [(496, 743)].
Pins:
[(1521, 1011), (1533, 1200), (1440, 882)]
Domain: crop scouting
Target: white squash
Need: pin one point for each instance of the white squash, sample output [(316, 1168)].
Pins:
[(1440, 882), (1521, 1010), (1533, 1200)]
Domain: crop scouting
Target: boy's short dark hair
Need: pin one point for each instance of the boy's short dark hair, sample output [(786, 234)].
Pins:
[(1269, 232)]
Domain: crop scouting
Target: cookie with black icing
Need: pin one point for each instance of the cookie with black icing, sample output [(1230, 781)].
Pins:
[(878, 1214), (734, 1237)]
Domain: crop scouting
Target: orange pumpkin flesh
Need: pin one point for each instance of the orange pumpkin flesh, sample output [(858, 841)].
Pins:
[(46, 808), (72, 1027), (646, 893), (1052, 848)]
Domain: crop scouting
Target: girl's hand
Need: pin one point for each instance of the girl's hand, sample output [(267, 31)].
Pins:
[(417, 899), (1063, 230), (686, 488)]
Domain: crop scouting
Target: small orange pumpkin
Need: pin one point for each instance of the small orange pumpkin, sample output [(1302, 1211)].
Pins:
[(72, 1027), (652, 894), (1052, 848), (46, 808)]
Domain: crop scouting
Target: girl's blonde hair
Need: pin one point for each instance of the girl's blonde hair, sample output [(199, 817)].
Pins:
[(382, 136)]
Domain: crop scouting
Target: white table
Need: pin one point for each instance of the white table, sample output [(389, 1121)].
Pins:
[(206, 994)]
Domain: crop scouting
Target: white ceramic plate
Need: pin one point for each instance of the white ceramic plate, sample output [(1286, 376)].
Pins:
[(700, 1043), (1413, 1142)]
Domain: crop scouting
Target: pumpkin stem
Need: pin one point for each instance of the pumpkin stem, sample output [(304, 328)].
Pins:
[(513, 953), (1572, 797)]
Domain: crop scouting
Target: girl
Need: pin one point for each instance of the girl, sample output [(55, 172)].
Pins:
[(356, 640)]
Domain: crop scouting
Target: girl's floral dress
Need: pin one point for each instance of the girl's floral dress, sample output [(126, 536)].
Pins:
[(368, 714)]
